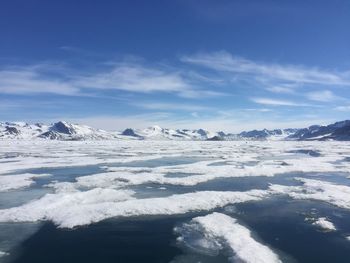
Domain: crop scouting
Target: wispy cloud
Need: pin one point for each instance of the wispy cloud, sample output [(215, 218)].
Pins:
[(322, 96), (30, 80), (128, 77), (280, 89), (224, 61), (343, 108), (135, 79), (171, 106), (277, 102), (259, 110)]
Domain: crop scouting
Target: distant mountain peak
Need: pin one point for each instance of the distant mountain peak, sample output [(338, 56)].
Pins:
[(63, 127), (129, 132)]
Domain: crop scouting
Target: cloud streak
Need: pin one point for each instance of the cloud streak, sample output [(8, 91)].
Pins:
[(280, 89), (322, 96), (126, 77), (31, 81), (277, 102), (225, 62), (171, 106)]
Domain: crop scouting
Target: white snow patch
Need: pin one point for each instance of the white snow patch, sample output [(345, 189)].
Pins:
[(16, 181), (325, 224), (216, 231)]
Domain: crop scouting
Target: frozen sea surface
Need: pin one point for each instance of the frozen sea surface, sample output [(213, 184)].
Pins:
[(168, 201)]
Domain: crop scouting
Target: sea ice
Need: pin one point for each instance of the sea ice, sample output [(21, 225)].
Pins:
[(324, 224), (16, 181), (217, 231), (338, 195), (81, 208)]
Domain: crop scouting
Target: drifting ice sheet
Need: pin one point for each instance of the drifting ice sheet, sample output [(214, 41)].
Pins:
[(217, 231), (11, 182), (324, 224), (338, 195), (82, 208)]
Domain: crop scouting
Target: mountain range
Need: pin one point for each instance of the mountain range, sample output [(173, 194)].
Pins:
[(67, 131)]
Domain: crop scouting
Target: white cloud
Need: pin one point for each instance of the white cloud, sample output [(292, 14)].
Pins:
[(260, 110), (343, 108), (276, 102), (135, 79), (30, 81), (280, 89), (129, 77), (195, 94), (322, 96), (195, 114), (224, 61), (171, 106)]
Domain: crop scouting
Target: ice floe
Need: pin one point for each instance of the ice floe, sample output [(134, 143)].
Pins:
[(202, 171), (324, 224), (338, 195), (58, 205), (81, 208), (11, 182), (243, 158), (217, 231)]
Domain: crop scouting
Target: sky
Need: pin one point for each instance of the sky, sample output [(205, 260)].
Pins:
[(220, 65)]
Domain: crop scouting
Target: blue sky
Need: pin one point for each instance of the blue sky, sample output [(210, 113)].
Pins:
[(220, 65)]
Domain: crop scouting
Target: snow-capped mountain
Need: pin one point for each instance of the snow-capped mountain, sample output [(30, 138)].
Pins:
[(67, 131), (158, 133), (277, 134), (337, 131), (58, 131), (21, 130)]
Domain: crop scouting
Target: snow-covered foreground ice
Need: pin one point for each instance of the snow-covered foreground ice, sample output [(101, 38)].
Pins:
[(79, 183)]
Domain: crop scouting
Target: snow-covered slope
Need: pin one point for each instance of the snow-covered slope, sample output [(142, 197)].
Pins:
[(158, 133), (277, 134), (58, 131), (21, 130), (67, 131), (337, 131)]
